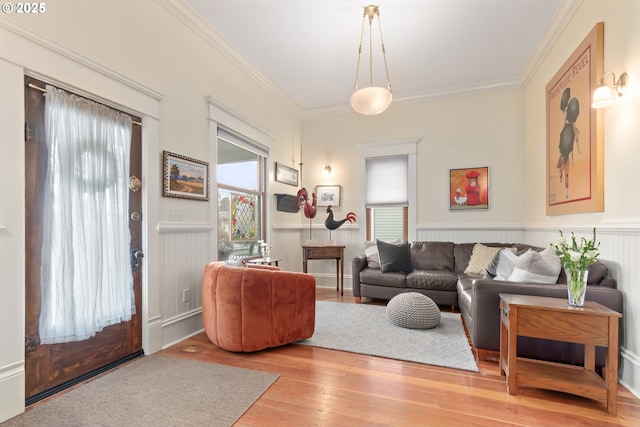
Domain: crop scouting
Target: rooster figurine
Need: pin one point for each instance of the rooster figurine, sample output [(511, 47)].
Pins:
[(303, 199), (331, 224)]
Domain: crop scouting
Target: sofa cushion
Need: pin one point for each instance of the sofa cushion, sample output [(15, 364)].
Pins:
[(373, 276), (481, 256), (537, 267), (394, 257), (440, 280), (432, 256)]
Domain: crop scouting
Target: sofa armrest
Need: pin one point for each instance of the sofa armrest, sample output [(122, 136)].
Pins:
[(357, 265)]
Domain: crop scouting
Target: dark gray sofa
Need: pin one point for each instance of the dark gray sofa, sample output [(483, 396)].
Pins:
[(439, 273)]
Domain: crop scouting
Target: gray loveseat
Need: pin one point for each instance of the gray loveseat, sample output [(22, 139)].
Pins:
[(438, 272)]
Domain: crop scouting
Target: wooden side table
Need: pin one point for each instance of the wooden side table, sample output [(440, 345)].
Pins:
[(553, 319), (326, 252)]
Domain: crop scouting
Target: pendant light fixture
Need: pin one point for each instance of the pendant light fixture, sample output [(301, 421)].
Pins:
[(371, 100)]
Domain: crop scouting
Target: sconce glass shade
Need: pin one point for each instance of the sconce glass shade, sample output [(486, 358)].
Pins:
[(602, 97), (327, 170), (371, 100)]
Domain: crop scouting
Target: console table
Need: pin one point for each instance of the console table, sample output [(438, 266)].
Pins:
[(553, 319), (326, 252)]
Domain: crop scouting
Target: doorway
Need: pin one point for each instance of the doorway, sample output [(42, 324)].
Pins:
[(52, 367)]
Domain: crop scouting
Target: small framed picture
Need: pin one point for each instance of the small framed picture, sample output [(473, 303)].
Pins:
[(328, 195), (184, 177), (469, 188), (286, 175)]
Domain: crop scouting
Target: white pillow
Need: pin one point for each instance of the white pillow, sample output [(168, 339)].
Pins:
[(507, 260), (371, 252), (481, 256), (537, 267)]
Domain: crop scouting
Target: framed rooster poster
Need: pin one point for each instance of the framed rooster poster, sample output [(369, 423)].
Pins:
[(469, 188), (575, 163)]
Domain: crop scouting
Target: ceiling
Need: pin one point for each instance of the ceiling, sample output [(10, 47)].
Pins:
[(307, 50)]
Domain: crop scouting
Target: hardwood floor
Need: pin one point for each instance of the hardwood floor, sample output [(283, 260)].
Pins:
[(321, 387)]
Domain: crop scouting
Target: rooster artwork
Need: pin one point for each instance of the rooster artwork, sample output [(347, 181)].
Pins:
[(309, 209), (332, 224)]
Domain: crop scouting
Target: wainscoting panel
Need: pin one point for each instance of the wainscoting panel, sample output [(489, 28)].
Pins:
[(470, 234), (184, 252)]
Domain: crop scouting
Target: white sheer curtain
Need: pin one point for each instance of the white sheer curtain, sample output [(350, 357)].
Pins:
[(86, 276)]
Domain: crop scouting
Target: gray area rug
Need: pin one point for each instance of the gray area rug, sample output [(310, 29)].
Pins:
[(155, 391), (365, 329)]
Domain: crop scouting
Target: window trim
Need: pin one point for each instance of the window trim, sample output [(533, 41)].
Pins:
[(221, 116)]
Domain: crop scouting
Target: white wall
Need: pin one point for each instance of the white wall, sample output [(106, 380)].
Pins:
[(619, 225), (140, 57), (485, 129)]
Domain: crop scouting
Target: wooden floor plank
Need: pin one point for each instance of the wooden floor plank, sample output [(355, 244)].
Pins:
[(322, 387)]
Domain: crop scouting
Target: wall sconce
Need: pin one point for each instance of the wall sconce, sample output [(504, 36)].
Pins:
[(603, 95), (327, 170)]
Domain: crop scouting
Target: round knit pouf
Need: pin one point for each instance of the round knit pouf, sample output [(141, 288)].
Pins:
[(413, 310)]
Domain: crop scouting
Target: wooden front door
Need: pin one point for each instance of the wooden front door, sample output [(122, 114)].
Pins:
[(51, 367)]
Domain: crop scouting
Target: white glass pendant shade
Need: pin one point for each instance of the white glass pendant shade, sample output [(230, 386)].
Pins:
[(602, 97), (370, 101)]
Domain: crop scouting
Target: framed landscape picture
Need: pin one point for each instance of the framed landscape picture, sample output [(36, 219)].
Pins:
[(469, 188), (185, 177), (328, 195), (574, 145)]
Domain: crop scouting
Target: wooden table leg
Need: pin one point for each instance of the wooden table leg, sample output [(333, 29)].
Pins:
[(337, 275), (611, 367)]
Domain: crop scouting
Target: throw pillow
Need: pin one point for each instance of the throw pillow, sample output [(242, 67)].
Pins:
[(537, 267), (394, 257), (505, 261), (481, 256), (371, 252)]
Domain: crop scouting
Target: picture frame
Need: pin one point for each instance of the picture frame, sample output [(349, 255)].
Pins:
[(286, 175), (184, 177), (574, 140), (328, 195), (463, 194)]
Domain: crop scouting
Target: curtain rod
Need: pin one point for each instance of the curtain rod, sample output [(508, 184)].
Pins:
[(32, 86)]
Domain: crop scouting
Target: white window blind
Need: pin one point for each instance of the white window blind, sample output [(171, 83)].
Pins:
[(386, 181)]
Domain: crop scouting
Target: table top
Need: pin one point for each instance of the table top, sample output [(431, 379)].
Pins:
[(561, 304), (323, 246), (263, 260)]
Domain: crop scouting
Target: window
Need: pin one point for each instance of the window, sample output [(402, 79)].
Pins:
[(386, 198), (240, 176), (387, 179)]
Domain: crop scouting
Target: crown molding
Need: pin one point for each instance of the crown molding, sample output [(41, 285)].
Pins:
[(560, 21), (185, 14), (424, 97)]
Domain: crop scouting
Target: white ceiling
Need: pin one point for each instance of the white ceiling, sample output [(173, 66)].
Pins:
[(308, 49)]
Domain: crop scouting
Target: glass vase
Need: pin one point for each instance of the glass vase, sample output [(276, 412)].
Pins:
[(576, 286), (266, 252)]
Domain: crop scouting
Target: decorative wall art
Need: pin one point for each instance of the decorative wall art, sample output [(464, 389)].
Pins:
[(286, 175), (243, 217), (575, 164), (469, 188), (328, 195), (185, 177)]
